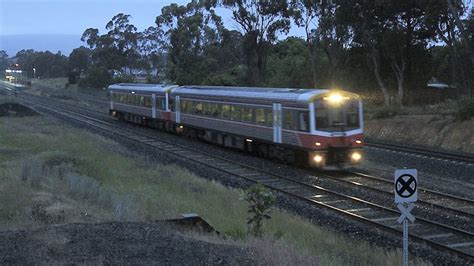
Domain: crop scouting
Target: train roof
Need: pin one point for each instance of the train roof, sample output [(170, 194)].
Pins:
[(141, 87), (277, 94)]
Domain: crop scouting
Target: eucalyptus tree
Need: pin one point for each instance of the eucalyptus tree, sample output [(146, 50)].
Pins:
[(117, 49), (186, 31), (260, 23)]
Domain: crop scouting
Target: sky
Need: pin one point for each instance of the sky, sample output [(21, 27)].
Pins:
[(49, 18), (73, 16)]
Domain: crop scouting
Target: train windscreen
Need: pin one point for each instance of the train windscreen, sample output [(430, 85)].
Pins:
[(337, 118)]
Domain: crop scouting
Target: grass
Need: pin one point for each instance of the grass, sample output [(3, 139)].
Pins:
[(52, 173)]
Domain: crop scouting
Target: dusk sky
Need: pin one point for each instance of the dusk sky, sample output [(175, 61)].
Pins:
[(19, 19), (73, 16)]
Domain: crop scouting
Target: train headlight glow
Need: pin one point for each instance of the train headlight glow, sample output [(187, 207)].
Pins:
[(318, 158), (317, 144), (356, 156), (358, 141)]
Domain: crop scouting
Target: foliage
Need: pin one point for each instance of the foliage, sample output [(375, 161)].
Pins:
[(260, 201), (96, 77), (47, 64), (386, 111), (4, 61), (465, 109)]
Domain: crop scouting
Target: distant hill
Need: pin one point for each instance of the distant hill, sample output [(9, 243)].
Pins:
[(40, 42)]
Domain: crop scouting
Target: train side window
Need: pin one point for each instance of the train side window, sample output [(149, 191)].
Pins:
[(170, 104), (303, 119), (142, 101), (148, 102), (189, 107), (159, 103), (216, 110), (260, 116), (287, 119), (226, 111), (269, 117), (183, 106), (122, 98), (247, 114), (236, 114), (206, 108), (197, 107)]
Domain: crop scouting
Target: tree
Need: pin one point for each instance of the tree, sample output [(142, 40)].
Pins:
[(79, 61), (116, 50), (306, 15), (4, 61), (187, 31), (260, 22)]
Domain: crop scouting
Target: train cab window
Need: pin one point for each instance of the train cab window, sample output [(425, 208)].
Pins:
[(260, 116), (226, 111), (206, 108), (303, 121), (352, 115), (247, 114), (171, 104), (337, 119), (236, 114)]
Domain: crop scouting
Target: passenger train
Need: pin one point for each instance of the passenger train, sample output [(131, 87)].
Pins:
[(316, 128)]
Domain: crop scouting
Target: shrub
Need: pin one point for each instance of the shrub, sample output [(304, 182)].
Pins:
[(465, 109), (386, 111), (260, 201)]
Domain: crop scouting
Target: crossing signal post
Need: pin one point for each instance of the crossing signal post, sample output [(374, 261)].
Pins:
[(406, 184)]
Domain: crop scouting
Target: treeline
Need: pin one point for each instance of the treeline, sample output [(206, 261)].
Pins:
[(388, 48)]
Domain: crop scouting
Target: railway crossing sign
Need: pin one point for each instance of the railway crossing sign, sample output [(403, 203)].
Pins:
[(406, 182)]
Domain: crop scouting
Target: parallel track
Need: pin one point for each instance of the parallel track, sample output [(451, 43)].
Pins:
[(440, 155), (437, 235)]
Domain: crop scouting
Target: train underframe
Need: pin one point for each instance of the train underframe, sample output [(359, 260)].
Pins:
[(339, 157)]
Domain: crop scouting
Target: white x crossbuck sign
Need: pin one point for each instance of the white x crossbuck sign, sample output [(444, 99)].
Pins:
[(406, 212)]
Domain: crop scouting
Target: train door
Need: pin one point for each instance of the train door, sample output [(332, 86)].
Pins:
[(277, 123), (153, 105)]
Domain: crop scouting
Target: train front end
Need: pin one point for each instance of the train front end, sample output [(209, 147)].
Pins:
[(337, 129)]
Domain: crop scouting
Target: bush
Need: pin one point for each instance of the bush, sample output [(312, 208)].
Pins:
[(465, 109), (386, 111), (260, 201), (96, 77)]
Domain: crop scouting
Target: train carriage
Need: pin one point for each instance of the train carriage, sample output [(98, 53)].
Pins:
[(315, 127)]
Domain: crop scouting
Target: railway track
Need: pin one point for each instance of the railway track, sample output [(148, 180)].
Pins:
[(423, 152), (440, 236)]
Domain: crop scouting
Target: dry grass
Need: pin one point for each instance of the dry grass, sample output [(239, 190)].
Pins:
[(59, 174)]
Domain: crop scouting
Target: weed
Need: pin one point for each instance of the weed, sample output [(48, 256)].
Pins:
[(386, 111), (465, 109), (260, 201)]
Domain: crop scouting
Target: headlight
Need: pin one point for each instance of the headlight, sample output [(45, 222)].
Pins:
[(318, 158), (356, 156)]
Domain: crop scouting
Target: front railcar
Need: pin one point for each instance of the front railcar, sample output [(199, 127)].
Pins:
[(337, 129)]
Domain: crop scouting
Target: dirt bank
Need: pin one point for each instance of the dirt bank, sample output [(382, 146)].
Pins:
[(441, 132)]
